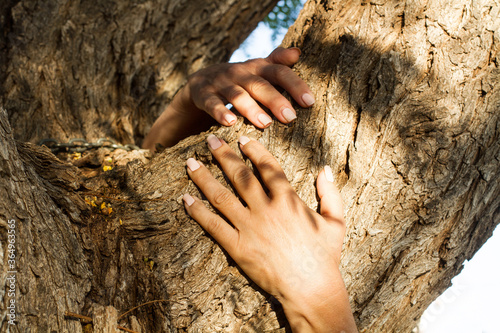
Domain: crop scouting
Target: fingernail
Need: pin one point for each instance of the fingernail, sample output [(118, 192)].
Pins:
[(229, 118), (189, 200), (192, 164), (243, 140), (213, 142), (295, 48), (308, 99), (264, 119), (288, 114), (328, 174)]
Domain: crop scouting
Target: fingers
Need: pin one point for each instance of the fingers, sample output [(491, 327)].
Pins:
[(202, 94), (234, 87), (221, 231), (242, 178), (219, 196), (280, 74), (214, 106), (217, 109), (246, 105), (286, 78), (270, 171), (264, 92), (247, 84), (244, 90), (287, 57), (331, 207)]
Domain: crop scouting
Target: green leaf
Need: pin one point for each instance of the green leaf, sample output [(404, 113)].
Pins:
[(283, 16)]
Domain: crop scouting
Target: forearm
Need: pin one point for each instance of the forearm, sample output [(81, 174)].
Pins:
[(163, 130), (180, 119)]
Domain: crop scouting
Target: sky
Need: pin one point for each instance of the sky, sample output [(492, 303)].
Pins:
[(472, 303)]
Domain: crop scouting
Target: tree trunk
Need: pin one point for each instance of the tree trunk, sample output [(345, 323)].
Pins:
[(407, 114), (95, 69), (409, 117)]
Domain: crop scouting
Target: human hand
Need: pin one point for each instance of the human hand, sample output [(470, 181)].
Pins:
[(244, 85), (288, 249)]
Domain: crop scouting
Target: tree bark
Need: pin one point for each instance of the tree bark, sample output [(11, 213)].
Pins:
[(94, 69), (407, 115), (409, 118)]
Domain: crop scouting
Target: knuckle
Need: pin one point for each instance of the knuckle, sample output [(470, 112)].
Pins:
[(255, 63), (198, 80), (236, 70), (213, 224), (281, 71), (222, 197), (210, 102), (242, 175), (267, 162), (232, 93), (257, 85), (227, 154)]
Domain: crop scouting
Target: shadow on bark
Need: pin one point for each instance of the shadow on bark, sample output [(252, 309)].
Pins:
[(443, 167), (423, 123)]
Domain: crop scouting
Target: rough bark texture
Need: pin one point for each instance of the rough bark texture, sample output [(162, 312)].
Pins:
[(107, 68), (37, 191), (104, 319), (407, 113), (409, 117)]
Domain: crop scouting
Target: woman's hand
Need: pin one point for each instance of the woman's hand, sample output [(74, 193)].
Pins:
[(288, 249), (244, 85)]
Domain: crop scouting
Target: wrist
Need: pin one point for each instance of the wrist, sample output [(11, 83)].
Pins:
[(319, 306), (163, 130), (180, 119)]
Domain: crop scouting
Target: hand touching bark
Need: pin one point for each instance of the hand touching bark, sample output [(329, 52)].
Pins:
[(288, 249), (244, 85)]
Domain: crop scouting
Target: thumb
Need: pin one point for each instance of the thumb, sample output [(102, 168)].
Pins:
[(286, 57), (331, 206)]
